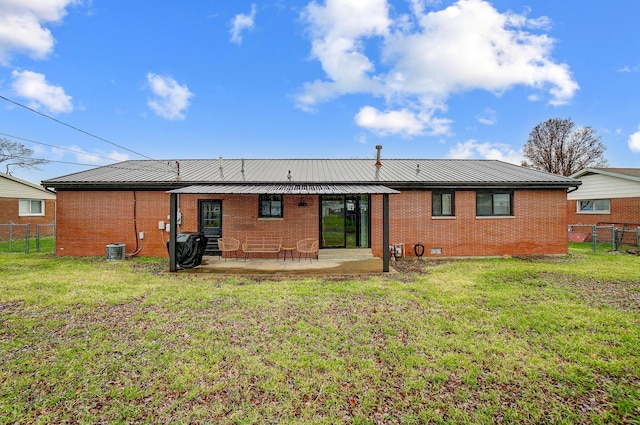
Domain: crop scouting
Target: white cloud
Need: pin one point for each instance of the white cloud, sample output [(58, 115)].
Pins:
[(426, 57), (471, 149), (22, 26), (170, 98), (488, 117), (338, 29), (83, 157), (400, 122), (634, 142), (34, 87), (629, 69), (391, 122), (241, 23)]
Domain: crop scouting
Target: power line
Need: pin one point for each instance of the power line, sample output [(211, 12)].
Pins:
[(73, 127), (57, 147), (114, 166)]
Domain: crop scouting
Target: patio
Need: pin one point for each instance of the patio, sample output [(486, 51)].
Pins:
[(344, 262)]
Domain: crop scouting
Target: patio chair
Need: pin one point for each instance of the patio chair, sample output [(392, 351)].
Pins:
[(228, 245), (308, 247)]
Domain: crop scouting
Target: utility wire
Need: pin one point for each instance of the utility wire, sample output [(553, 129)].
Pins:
[(72, 127), (57, 147), (114, 166)]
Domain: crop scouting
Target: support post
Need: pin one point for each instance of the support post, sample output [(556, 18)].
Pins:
[(173, 221), (385, 232)]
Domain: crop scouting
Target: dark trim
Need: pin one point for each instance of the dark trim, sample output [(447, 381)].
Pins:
[(173, 214), (392, 185), (496, 192), (478, 185), (264, 196), (453, 203), (385, 232)]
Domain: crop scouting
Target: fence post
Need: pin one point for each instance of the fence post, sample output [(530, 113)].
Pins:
[(594, 236), (638, 236), (37, 238), (26, 240), (613, 238)]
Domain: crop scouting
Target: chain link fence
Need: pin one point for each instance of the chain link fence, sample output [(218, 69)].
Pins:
[(604, 237), (19, 238)]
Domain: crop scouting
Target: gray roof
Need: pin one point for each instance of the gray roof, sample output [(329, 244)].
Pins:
[(624, 173), (395, 173)]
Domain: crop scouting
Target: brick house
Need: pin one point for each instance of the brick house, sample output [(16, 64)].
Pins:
[(22, 202), (607, 196), (452, 207)]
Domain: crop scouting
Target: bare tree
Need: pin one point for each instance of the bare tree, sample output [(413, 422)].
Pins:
[(560, 147), (14, 154)]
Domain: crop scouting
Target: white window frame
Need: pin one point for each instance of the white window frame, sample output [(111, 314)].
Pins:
[(25, 208), (593, 206)]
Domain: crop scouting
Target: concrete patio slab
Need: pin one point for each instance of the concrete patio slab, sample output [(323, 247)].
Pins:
[(295, 267)]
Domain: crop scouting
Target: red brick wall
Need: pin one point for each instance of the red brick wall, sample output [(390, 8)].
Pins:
[(539, 225), (9, 208), (88, 221), (623, 210), (240, 217)]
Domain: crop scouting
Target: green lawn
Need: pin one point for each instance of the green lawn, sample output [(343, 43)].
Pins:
[(472, 341), (17, 246)]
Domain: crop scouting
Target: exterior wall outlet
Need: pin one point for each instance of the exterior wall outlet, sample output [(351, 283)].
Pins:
[(141, 235), (161, 225)]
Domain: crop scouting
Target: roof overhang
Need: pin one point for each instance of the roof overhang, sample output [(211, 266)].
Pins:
[(607, 172), (286, 189)]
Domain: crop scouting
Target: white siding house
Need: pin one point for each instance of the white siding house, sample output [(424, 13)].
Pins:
[(601, 183), (22, 202)]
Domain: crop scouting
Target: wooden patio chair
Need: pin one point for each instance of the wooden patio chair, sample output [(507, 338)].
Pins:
[(228, 245), (308, 247)]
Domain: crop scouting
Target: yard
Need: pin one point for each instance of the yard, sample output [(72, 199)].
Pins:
[(531, 340)]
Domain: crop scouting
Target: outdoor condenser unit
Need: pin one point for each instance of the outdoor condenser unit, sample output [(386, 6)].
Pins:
[(116, 251)]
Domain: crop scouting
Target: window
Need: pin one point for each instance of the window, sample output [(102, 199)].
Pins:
[(494, 203), (595, 206), (442, 204), (31, 207), (270, 206)]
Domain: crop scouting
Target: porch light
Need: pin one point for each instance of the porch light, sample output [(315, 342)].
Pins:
[(302, 203)]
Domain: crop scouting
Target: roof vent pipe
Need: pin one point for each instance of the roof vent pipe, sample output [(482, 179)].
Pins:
[(378, 149), (221, 173)]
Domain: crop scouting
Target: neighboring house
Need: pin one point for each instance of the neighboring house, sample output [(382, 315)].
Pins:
[(22, 202), (607, 196), (452, 207)]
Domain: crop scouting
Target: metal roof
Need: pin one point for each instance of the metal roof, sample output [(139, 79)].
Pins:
[(399, 173), (287, 189)]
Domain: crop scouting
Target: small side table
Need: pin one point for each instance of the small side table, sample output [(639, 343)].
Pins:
[(288, 249)]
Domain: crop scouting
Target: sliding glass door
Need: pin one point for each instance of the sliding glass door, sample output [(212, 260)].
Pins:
[(345, 221)]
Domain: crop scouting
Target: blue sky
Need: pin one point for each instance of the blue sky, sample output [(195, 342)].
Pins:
[(319, 79)]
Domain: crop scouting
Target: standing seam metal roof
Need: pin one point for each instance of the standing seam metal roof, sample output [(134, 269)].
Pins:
[(230, 171)]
